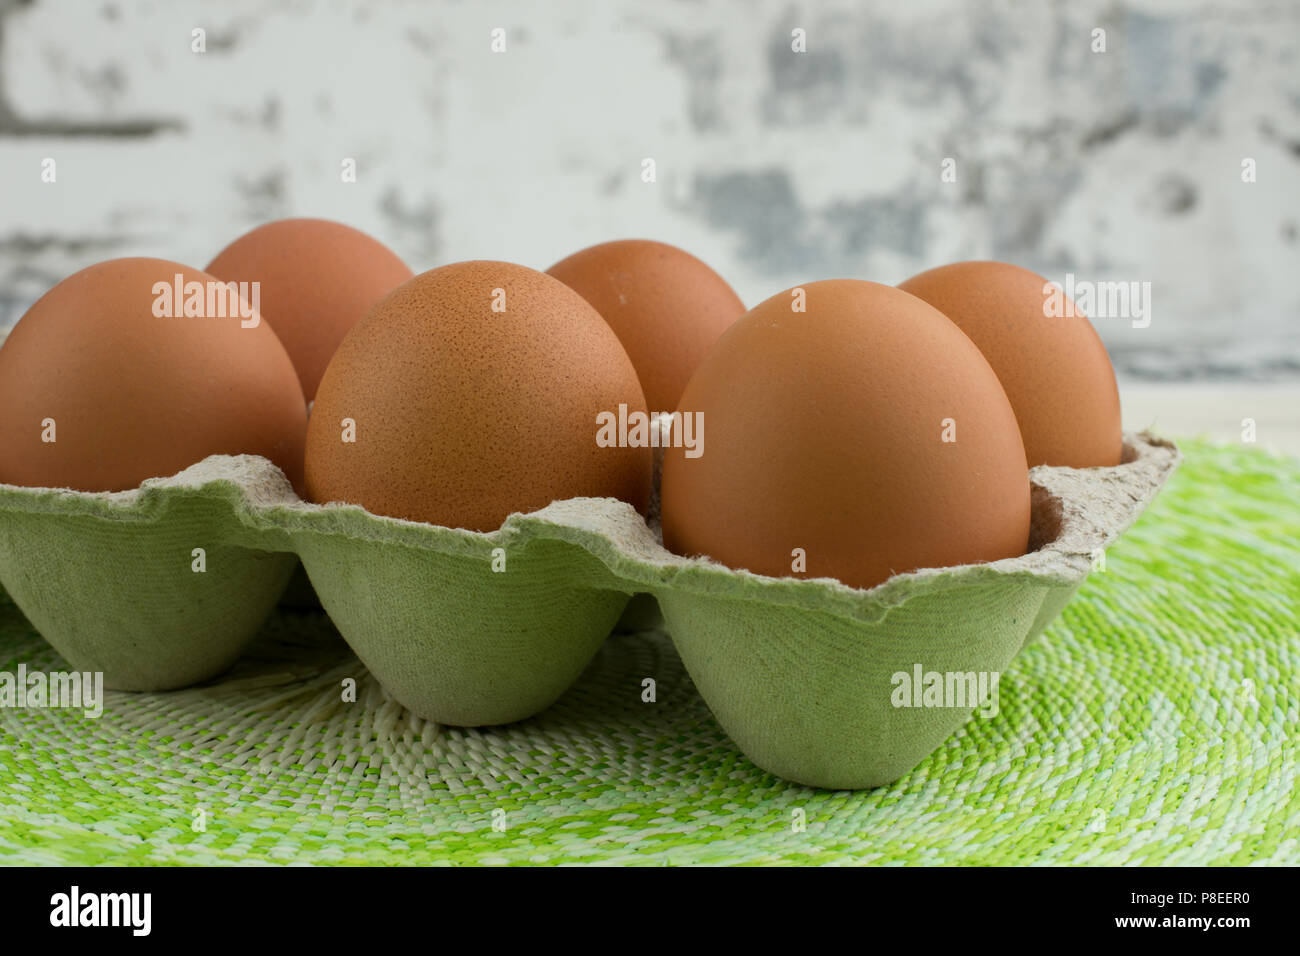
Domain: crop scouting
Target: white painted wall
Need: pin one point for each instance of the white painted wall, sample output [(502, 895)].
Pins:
[(776, 167)]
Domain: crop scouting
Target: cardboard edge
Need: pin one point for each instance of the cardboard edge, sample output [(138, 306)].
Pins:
[(613, 533)]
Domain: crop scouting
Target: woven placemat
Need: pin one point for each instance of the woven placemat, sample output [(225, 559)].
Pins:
[(1156, 722)]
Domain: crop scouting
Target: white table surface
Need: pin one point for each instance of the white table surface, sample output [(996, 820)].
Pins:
[(1216, 410)]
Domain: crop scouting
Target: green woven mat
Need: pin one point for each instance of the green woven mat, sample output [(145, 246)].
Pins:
[(1156, 722)]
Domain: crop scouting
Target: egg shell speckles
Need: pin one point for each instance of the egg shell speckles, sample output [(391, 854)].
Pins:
[(666, 306), (317, 279), (464, 414), (824, 431), (1054, 369), (133, 395)]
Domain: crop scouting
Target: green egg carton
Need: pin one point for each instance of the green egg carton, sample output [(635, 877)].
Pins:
[(164, 586)]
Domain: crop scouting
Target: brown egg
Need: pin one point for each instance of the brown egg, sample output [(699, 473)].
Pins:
[(666, 306), (128, 386), (865, 434), (1055, 370), (475, 390), (316, 280)]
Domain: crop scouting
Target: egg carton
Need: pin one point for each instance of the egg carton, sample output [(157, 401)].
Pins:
[(165, 585)]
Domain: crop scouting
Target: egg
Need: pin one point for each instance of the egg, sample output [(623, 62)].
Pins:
[(666, 306), (1054, 368), (138, 368), (473, 391), (849, 431), (316, 279)]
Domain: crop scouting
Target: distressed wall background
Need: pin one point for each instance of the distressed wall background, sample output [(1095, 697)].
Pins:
[(777, 167)]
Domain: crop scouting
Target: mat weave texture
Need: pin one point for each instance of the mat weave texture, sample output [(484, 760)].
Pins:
[(1157, 721)]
